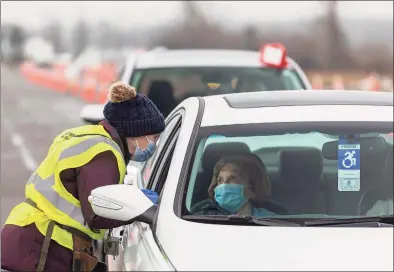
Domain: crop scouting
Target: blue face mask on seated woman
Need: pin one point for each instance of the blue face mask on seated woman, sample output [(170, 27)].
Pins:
[(230, 197), (144, 155)]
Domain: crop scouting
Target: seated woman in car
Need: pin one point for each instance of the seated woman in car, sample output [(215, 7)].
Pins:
[(240, 186)]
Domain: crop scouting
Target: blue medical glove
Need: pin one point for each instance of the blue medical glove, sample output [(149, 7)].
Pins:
[(152, 195)]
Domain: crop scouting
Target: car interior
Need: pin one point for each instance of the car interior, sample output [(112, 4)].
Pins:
[(305, 182)]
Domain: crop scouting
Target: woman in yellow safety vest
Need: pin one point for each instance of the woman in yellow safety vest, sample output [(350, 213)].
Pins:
[(53, 228)]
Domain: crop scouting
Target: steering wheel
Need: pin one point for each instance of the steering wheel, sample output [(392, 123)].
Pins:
[(368, 198)]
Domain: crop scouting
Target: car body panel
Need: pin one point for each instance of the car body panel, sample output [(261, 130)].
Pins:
[(218, 112), (198, 247), (201, 58)]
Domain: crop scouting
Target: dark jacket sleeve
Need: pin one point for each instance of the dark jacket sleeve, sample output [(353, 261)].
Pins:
[(100, 171)]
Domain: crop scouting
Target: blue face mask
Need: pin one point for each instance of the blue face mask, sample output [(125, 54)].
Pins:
[(144, 155), (230, 196)]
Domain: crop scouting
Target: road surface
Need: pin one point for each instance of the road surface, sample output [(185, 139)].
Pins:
[(30, 119)]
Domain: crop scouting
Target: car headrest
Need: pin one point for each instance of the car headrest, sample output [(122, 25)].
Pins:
[(162, 94), (302, 166), (213, 152), (160, 87)]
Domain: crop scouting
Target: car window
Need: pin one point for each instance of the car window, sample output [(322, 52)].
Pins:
[(203, 81), (148, 165), (312, 170), (157, 183)]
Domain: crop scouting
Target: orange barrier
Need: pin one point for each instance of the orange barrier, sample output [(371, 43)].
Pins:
[(107, 76), (37, 76), (96, 81), (58, 79), (89, 84), (48, 78), (44, 77), (92, 87), (103, 92), (74, 86)]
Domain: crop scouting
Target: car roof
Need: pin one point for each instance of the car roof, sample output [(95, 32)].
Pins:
[(297, 106), (302, 98), (201, 58)]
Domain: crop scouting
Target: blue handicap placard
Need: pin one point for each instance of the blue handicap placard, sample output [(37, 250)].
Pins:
[(348, 165)]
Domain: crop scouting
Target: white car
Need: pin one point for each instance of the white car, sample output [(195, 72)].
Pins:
[(168, 77), (318, 203)]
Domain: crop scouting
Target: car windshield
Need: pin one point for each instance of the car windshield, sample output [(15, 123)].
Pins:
[(297, 170), (184, 82)]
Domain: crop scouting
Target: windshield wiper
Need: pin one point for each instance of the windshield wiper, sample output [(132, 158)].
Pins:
[(376, 221), (263, 221), (241, 220)]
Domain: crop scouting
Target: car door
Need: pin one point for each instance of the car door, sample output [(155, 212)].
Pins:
[(140, 249)]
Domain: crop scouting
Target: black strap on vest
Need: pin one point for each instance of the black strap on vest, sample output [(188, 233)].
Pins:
[(45, 247), (48, 235)]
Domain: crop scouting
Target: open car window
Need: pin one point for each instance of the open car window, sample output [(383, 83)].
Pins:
[(311, 170)]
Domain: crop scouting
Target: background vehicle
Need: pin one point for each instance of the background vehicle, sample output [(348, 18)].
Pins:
[(296, 135), (168, 77)]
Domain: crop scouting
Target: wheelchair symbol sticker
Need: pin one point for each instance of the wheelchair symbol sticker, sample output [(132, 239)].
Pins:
[(348, 166), (349, 159)]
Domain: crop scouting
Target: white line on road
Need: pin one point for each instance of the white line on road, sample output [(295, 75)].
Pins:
[(27, 158), (19, 142)]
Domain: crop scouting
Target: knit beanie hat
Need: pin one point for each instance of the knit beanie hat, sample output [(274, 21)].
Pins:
[(132, 114)]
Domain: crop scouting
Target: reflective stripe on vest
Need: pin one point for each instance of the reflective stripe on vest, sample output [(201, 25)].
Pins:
[(85, 145), (45, 186)]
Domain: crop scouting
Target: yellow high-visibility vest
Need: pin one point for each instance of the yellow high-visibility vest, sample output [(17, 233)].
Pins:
[(71, 149)]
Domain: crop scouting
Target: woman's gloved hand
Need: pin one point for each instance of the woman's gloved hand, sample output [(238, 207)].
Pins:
[(152, 195)]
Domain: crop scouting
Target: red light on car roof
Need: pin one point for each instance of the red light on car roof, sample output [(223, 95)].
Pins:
[(273, 55)]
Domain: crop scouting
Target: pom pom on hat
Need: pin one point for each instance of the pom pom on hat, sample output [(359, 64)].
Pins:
[(131, 113), (119, 92)]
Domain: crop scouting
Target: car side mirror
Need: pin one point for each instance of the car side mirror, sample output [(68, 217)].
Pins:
[(123, 203), (92, 114)]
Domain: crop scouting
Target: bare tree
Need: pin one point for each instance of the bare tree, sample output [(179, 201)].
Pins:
[(251, 38), (53, 32), (80, 37), (192, 14), (333, 41), (375, 57)]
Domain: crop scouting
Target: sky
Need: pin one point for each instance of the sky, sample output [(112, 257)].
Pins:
[(150, 13)]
